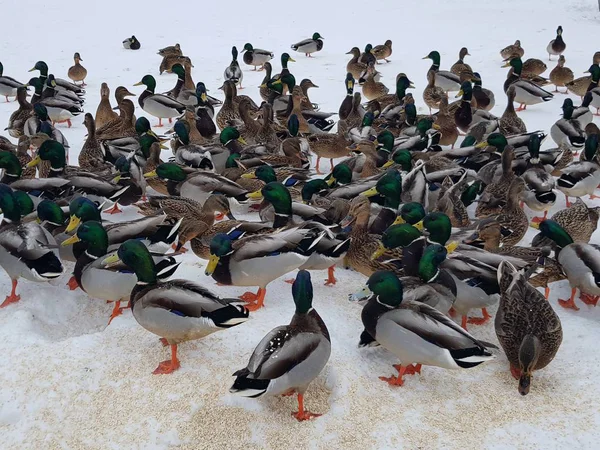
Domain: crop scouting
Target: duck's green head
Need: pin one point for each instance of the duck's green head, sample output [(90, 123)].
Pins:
[(147, 81), (40, 111), (368, 48), (552, 230), (312, 188), (410, 110), (123, 165), (424, 125), (471, 192), (230, 134), (497, 140), (221, 245), (146, 142), (52, 151), (516, 64), (397, 236), (135, 255), (534, 145), (24, 202), (51, 81), (302, 291), (278, 195), (349, 83), (142, 125), (594, 71), (293, 125), (402, 158), (402, 84), (248, 47), (168, 171), (285, 58), (1, 69), (466, 90), (317, 36), (11, 164), (476, 79), (234, 53), (94, 235), (9, 204), (82, 209), (201, 93), (48, 211), (387, 287), (289, 80), (568, 108), (41, 66), (178, 70), (231, 162), (182, 132), (390, 187), (591, 146), (432, 257), (264, 173), (341, 174), (37, 84), (438, 225), (434, 56), (468, 141), (411, 213), (386, 139), (368, 119)]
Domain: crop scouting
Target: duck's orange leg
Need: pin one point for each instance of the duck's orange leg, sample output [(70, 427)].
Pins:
[(589, 299), (73, 284), (331, 280), (569, 304), (540, 219), (114, 210), (117, 311), (13, 297), (255, 301), (170, 365), (480, 320), (547, 292), (302, 414), (396, 381), (317, 166)]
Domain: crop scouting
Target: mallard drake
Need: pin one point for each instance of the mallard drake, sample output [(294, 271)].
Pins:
[(356, 68), (539, 193), (113, 283), (289, 357), (367, 56), (459, 66), (389, 186), (560, 76), (527, 92), (176, 310), (579, 86), (12, 163), (25, 248), (432, 94), (132, 43), (255, 56), (58, 110), (510, 123), (581, 177), (77, 72), (8, 85), (17, 120), (180, 92), (233, 71), (579, 261), (66, 88), (383, 51), (194, 184), (309, 46), (436, 340), (265, 90), (513, 50), (527, 327), (463, 116), (444, 78), (205, 113), (484, 98), (158, 105), (556, 46), (105, 112), (566, 130)]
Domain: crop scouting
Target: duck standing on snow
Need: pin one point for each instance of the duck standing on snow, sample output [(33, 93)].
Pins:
[(527, 92), (561, 75), (383, 51), (556, 46), (444, 78), (581, 178), (24, 251), (255, 56), (176, 310), (527, 327), (8, 85), (309, 46), (77, 72), (567, 131), (158, 105), (132, 43), (289, 357), (233, 71)]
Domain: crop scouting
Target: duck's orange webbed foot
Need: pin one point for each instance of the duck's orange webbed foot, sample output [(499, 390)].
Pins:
[(480, 320)]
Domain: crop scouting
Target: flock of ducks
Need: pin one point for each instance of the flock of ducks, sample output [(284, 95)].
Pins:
[(394, 209)]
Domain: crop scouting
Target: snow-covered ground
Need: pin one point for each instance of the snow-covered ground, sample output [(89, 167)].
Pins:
[(67, 381)]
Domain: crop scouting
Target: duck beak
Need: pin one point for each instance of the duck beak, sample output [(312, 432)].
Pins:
[(377, 253), (388, 164), (212, 265), (256, 195), (139, 83), (348, 220), (34, 162), (31, 70), (331, 181), (460, 94), (399, 221), (250, 176), (72, 240), (241, 140), (111, 261), (535, 225), (204, 97), (411, 85), (74, 222), (435, 126), (363, 294), (473, 239), (150, 174), (425, 57), (370, 192), (482, 144), (451, 246), (419, 226), (507, 64), (291, 59)]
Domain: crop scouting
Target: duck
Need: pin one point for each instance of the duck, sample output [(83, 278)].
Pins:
[(170, 50), (510, 123), (228, 115), (17, 120), (581, 177), (513, 50), (560, 76), (27, 250), (59, 110), (328, 145), (383, 51), (444, 79), (122, 126), (459, 66), (170, 60), (205, 113), (493, 197), (354, 66), (65, 88), (132, 43), (265, 90), (512, 218), (432, 94), (389, 186), (309, 46), (180, 92), (527, 327), (367, 56), (446, 124), (233, 71), (566, 130), (532, 69), (435, 339), (557, 45), (463, 116), (113, 283), (255, 56), (105, 112), (176, 310), (91, 156), (299, 351), (527, 92), (539, 192), (578, 260), (77, 73), (372, 89), (484, 98), (8, 85), (158, 105), (12, 164)]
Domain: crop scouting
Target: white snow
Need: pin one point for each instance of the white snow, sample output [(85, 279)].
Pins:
[(67, 381)]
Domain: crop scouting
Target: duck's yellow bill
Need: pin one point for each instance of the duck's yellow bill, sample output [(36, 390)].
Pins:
[(399, 221), (212, 264), (70, 241), (482, 144), (419, 226), (150, 174), (34, 162), (241, 140), (291, 59), (112, 260), (370, 192), (435, 126), (250, 175), (535, 225), (74, 222), (331, 181), (460, 94), (203, 97), (388, 164), (451, 246), (139, 83), (506, 64), (377, 253), (257, 195)]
